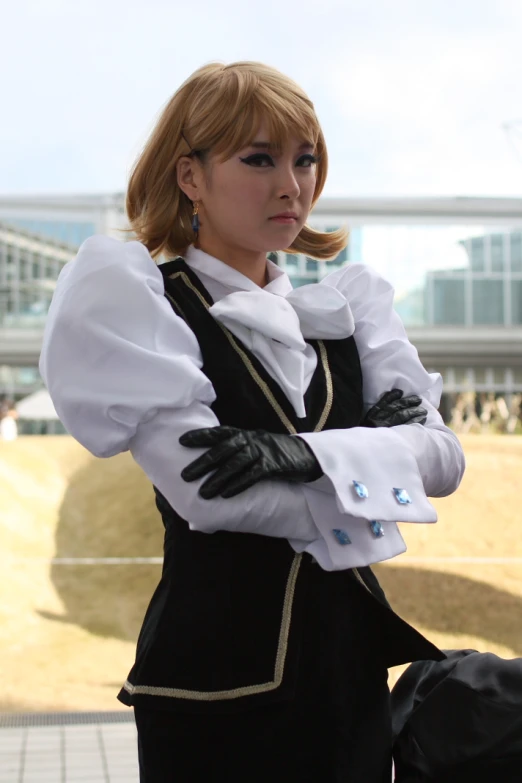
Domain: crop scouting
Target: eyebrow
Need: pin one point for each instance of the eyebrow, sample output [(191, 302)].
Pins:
[(266, 145)]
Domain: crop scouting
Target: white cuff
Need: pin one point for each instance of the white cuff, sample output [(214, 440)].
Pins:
[(381, 464), (346, 542)]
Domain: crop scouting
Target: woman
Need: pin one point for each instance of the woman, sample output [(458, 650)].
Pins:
[(256, 412)]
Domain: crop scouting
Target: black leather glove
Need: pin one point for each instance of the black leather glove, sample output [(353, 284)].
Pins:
[(241, 458), (393, 409)]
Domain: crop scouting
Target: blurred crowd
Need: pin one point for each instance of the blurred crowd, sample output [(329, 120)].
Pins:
[(485, 412), (8, 417)]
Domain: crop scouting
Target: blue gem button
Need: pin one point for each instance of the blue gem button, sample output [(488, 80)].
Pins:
[(342, 537), (376, 528), (361, 489), (402, 496)]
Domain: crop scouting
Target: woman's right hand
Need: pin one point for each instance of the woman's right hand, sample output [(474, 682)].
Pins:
[(393, 409)]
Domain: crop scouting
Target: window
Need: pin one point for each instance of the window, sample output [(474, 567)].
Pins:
[(10, 268), (52, 270), (516, 252), (497, 253), (27, 376), (461, 375), (449, 303), (516, 301), (477, 254), (299, 281), (499, 376), (488, 301), (4, 302), (26, 266), (480, 375), (340, 259), (312, 265)]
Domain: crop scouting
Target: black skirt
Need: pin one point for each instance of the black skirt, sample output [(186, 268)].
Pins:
[(336, 729)]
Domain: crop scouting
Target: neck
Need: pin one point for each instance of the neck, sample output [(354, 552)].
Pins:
[(250, 263)]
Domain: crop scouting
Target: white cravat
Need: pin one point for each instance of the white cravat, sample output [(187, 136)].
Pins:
[(273, 321)]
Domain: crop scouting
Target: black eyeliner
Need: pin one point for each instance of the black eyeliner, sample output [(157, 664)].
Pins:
[(259, 156)]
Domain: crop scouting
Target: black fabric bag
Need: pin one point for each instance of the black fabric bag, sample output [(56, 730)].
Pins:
[(459, 720)]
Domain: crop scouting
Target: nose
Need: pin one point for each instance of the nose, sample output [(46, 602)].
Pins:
[(287, 184)]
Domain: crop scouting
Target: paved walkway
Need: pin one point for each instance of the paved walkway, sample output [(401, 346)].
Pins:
[(68, 748), (94, 750)]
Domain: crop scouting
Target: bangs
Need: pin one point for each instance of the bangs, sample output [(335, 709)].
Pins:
[(244, 102), (281, 123)]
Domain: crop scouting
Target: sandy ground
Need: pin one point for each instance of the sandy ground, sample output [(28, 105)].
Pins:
[(67, 632)]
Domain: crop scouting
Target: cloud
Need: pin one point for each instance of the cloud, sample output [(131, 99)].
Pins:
[(411, 95), (429, 117)]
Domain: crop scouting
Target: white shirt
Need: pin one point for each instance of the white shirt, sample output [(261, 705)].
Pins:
[(8, 428), (124, 373)]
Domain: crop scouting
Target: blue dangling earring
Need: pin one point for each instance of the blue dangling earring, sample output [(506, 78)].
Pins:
[(195, 219)]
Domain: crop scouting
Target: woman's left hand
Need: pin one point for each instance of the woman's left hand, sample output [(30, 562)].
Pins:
[(241, 458), (393, 409)]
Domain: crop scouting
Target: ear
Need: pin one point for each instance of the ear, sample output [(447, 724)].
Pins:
[(189, 176)]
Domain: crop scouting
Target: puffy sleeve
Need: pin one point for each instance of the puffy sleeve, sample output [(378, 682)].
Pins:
[(114, 353), (423, 460), (124, 373)]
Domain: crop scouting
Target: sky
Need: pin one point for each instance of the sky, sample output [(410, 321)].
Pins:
[(413, 95)]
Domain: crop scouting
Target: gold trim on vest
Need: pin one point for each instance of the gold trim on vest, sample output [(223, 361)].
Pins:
[(247, 690), (329, 388)]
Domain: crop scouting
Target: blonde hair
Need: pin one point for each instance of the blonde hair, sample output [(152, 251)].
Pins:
[(219, 109)]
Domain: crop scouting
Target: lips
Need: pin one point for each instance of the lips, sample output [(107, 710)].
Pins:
[(284, 216)]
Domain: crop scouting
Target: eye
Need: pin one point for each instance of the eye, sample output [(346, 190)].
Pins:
[(259, 160), (306, 161)]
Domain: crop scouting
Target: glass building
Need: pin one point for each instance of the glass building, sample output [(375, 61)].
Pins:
[(303, 270), (65, 219), (487, 291), (38, 235), (29, 267)]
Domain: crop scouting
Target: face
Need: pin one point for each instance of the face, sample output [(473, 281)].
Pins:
[(256, 201)]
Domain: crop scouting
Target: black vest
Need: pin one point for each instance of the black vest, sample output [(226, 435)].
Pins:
[(223, 627)]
